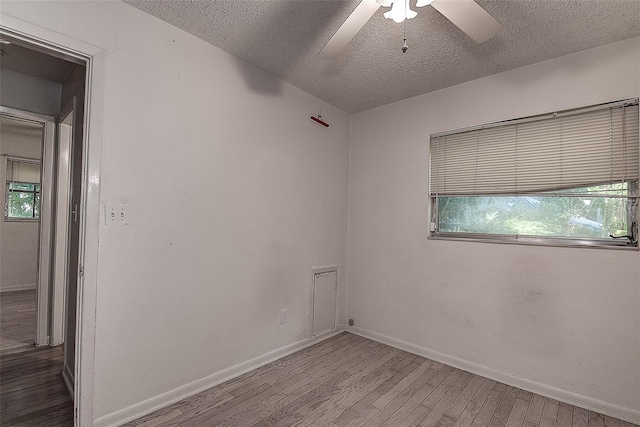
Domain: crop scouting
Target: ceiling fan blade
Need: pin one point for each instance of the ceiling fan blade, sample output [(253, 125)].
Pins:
[(347, 31), (470, 17)]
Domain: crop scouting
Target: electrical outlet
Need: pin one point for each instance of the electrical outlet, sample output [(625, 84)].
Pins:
[(283, 316)]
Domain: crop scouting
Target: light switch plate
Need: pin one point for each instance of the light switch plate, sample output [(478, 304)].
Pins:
[(116, 214)]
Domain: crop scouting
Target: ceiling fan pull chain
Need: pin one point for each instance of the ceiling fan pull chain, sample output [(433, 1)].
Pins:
[(404, 38)]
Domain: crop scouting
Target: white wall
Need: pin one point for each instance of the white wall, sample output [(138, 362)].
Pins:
[(232, 193), (29, 93), (557, 320), (18, 240)]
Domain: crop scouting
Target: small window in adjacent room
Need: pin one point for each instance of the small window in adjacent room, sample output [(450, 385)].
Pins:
[(22, 201), (566, 178)]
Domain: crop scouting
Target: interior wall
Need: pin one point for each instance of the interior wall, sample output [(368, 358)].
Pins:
[(28, 93), (18, 239), (564, 321), (231, 192)]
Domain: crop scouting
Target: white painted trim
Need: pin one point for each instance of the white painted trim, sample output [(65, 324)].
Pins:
[(45, 234), (566, 396), (62, 197), (23, 287), (28, 115), (90, 221), (148, 406), (67, 377)]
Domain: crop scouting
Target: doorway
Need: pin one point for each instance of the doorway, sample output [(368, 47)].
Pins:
[(93, 56), (31, 365), (21, 142), (39, 81)]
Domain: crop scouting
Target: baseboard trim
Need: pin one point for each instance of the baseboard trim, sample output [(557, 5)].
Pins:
[(148, 406), (68, 378), (566, 396), (13, 288)]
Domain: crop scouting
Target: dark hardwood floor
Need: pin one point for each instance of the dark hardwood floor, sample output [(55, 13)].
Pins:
[(32, 392)]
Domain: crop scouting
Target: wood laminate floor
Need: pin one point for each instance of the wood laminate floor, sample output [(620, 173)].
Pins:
[(17, 320), (32, 392), (346, 380), (351, 381)]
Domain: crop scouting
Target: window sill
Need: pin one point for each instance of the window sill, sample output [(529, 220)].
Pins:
[(534, 241), (21, 220)]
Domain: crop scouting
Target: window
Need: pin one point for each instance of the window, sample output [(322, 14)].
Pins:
[(568, 178), (22, 190)]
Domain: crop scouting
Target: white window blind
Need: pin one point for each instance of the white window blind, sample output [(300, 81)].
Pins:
[(23, 171), (572, 149)]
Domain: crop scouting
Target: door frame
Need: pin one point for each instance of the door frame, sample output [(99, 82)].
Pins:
[(94, 58), (59, 285), (45, 225)]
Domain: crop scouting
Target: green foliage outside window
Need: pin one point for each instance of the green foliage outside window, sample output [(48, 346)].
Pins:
[(590, 215), (23, 200)]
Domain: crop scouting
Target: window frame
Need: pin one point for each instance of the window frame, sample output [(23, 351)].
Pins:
[(35, 193), (633, 201)]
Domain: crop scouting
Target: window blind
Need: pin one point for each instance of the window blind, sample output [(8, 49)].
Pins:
[(21, 171), (573, 149)]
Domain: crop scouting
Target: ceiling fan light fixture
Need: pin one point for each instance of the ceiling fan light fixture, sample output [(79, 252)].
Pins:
[(400, 10), (467, 15)]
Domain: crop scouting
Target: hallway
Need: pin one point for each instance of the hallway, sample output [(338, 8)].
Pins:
[(32, 392)]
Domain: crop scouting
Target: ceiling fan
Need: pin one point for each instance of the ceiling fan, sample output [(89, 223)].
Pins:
[(465, 14)]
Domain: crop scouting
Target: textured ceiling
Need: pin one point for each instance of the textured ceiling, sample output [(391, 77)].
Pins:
[(284, 37)]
